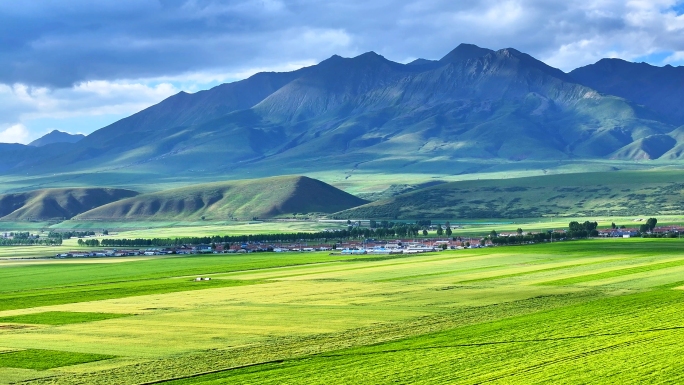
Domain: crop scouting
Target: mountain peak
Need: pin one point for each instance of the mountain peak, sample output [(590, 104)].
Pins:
[(56, 136), (464, 52), (529, 61)]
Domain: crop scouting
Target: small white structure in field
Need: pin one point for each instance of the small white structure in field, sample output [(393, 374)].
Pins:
[(626, 236), (198, 279), (206, 279)]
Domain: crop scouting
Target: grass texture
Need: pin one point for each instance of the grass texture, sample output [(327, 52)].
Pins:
[(595, 311)]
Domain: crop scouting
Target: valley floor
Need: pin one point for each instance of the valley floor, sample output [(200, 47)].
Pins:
[(601, 311)]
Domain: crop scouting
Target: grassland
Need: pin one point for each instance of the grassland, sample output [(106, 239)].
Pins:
[(603, 311), (244, 199), (57, 203), (37, 359), (582, 194), (59, 318)]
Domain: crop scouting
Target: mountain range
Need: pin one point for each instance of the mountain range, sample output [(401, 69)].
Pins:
[(474, 104)]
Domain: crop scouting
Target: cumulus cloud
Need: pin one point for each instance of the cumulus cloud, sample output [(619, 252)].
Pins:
[(117, 57), (22, 103), (15, 134), (47, 44)]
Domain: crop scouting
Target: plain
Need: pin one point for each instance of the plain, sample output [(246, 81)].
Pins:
[(556, 313)]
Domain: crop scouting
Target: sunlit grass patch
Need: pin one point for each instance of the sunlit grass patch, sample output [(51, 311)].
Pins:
[(614, 273), (59, 318), (38, 359), (87, 293)]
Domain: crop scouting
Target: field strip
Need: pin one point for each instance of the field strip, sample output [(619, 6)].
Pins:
[(613, 273), (560, 266), (292, 347), (447, 272), (567, 358), (521, 341), (33, 299), (6, 262), (272, 273), (647, 279), (404, 350)]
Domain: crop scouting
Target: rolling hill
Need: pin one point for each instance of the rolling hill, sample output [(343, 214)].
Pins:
[(243, 199), (57, 203), (585, 194), (369, 113)]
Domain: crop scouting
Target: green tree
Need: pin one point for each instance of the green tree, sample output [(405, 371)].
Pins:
[(651, 222), (493, 234), (440, 230), (519, 231), (425, 233)]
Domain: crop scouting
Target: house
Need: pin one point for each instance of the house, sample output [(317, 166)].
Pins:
[(203, 249), (353, 251), (380, 250)]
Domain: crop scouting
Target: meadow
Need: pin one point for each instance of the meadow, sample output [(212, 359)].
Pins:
[(599, 311), (623, 193)]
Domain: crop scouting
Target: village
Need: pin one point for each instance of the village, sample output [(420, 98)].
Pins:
[(366, 246), (362, 245)]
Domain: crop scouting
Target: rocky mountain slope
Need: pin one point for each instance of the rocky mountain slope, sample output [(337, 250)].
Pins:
[(474, 104)]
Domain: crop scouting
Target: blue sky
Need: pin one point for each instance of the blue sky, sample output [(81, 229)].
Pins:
[(78, 65)]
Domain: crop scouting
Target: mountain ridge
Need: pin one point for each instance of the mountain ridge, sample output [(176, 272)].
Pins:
[(473, 103)]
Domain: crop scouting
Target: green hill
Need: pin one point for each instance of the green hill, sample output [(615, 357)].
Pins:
[(57, 203), (263, 198), (582, 194)]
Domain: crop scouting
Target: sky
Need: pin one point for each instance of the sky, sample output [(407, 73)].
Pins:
[(79, 65)]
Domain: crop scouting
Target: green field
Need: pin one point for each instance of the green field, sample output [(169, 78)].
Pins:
[(601, 311), (623, 193)]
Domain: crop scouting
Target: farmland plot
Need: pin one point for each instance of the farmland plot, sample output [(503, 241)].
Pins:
[(576, 312)]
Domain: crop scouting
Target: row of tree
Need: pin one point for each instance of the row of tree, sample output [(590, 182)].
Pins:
[(30, 242), (350, 233), (89, 242), (527, 238), (71, 234)]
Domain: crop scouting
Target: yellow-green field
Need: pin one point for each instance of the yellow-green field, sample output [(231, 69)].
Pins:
[(564, 313)]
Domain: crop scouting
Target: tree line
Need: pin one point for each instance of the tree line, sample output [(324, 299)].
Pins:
[(30, 242), (350, 233), (70, 234)]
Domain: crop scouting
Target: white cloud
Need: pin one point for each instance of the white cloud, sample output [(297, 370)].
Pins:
[(24, 104), (15, 134), (675, 57), (134, 53)]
